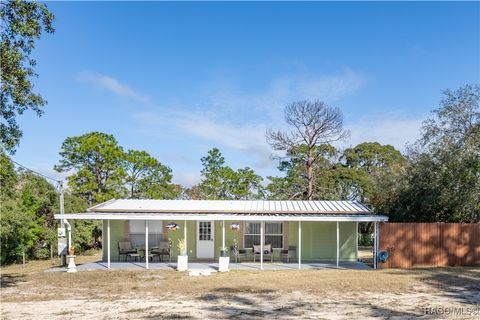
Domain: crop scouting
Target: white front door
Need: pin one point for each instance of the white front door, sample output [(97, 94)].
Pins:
[(205, 239)]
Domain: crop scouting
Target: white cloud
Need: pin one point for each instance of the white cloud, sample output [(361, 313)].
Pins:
[(237, 120), (326, 87), (113, 85), (283, 90), (393, 129), (248, 139)]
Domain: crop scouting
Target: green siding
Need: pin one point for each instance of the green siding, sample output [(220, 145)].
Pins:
[(174, 236), (230, 235), (318, 239), (117, 234)]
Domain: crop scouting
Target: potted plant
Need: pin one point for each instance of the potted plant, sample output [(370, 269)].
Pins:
[(223, 260), (182, 258)]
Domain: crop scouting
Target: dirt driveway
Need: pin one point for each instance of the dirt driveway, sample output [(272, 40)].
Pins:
[(30, 293)]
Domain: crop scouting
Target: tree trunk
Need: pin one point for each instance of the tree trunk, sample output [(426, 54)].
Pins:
[(310, 175)]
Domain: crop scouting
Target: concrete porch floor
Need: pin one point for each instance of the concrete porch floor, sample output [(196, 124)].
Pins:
[(100, 265)]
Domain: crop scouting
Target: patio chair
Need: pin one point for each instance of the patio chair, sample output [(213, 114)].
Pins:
[(286, 254), (238, 254), (267, 252), (125, 248), (162, 250)]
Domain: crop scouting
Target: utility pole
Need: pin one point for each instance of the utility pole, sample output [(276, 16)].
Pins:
[(62, 205), (62, 224)]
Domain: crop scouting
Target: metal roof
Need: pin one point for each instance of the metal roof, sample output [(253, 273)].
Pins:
[(232, 206)]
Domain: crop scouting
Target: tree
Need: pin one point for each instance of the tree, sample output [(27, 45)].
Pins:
[(247, 185), (365, 164), (8, 176), (97, 161), (23, 22), (292, 184), (85, 233), (442, 181), (26, 218), (371, 156), (222, 182), (213, 174), (147, 177), (313, 124)]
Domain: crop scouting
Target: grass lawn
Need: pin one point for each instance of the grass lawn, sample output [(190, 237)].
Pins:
[(29, 293)]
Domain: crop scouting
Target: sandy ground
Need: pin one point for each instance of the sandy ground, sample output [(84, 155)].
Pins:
[(30, 293)]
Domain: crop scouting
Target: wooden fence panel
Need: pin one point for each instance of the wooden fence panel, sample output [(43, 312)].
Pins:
[(430, 244)]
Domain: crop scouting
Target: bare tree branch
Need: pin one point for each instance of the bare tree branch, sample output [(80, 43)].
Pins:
[(313, 123)]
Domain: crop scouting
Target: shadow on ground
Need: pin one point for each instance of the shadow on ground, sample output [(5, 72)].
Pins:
[(11, 280), (460, 284), (248, 302)]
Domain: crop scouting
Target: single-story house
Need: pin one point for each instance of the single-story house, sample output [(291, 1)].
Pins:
[(316, 230)]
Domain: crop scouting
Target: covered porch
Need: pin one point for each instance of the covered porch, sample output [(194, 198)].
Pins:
[(314, 234)]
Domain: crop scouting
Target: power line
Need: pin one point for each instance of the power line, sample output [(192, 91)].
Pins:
[(33, 171)]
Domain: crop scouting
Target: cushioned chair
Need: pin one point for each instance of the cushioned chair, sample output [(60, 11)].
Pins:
[(286, 254), (267, 252), (238, 254), (164, 249), (125, 248)]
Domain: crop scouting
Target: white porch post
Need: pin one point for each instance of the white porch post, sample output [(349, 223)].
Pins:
[(146, 244), (223, 236), (375, 235), (185, 235), (108, 244), (356, 247), (103, 239), (338, 243), (299, 244), (262, 224)]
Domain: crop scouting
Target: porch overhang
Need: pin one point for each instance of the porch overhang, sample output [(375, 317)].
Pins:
[(221, 217)]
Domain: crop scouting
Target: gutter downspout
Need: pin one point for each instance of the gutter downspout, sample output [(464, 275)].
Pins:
[(69, 229)]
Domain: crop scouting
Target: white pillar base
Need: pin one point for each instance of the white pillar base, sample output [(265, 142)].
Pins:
[(223, 264), (182, 263), (71, 264)]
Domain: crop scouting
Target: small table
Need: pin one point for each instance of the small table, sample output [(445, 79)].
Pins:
[(142, 251), (134, 255)]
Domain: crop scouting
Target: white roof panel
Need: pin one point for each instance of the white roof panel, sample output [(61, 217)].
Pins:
[(232, 206)]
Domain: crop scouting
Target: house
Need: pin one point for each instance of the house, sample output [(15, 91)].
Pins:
[(317, 230)]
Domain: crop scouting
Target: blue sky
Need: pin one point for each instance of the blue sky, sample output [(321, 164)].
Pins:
[(176, 79)]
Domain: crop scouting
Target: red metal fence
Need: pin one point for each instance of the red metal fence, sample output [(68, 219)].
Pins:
[(430, 244)]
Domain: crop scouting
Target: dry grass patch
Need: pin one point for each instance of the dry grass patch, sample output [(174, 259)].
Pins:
[(126, 294)]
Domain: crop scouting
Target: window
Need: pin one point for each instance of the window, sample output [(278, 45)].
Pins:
[(137, 233), (273, 234), (204, 230)]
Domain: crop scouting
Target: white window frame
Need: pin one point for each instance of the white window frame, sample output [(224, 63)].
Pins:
[(265, 234), (154, 232)]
